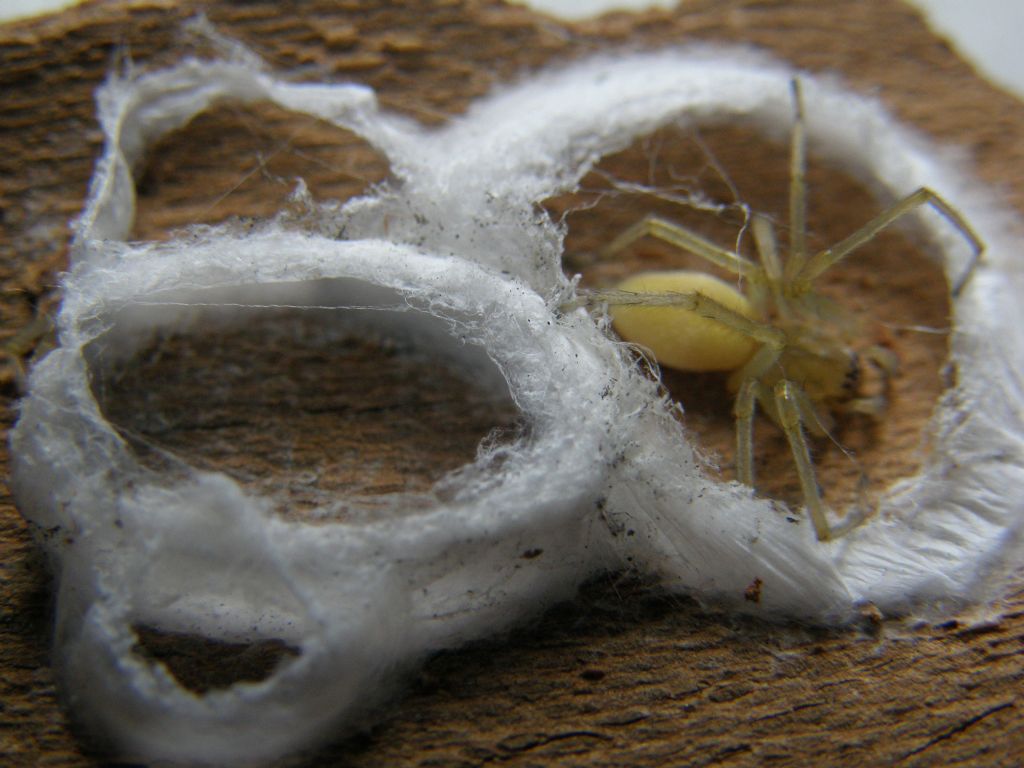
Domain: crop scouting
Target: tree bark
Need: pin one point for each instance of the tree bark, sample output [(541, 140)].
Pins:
[(623, 675)]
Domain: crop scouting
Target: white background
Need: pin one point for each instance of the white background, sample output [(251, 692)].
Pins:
[(988, 32)]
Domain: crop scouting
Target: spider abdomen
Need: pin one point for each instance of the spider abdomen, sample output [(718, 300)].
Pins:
[(681, 338)]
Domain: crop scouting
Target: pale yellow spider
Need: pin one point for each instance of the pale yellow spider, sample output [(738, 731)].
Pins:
[(787, 347)]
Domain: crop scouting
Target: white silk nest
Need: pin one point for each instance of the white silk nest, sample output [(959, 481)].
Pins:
[(467, 268)]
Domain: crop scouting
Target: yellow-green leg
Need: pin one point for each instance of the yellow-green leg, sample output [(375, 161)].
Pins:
[(743, 410), (822, 260), (684, 239), (797, 189), (788, 406), (787, 398)]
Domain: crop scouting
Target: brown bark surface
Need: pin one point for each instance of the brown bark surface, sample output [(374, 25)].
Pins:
[(622, 676)]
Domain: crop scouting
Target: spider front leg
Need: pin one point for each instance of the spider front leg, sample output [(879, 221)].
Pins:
[(886, 363), (823, 260), (787, 405), (788, 399)]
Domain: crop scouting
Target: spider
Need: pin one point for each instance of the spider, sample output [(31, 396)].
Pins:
[(787, 349)]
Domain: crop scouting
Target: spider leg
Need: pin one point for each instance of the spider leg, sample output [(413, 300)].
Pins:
[(886, 362), (884, 359), (797, 188), (702, 305), (743, 410), (787, 403), (746, 380), (873, 406), (788, 397), (823, 260), (767, 249), (684, 239)]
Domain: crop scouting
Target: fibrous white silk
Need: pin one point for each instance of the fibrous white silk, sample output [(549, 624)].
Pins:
[(454, 255)]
